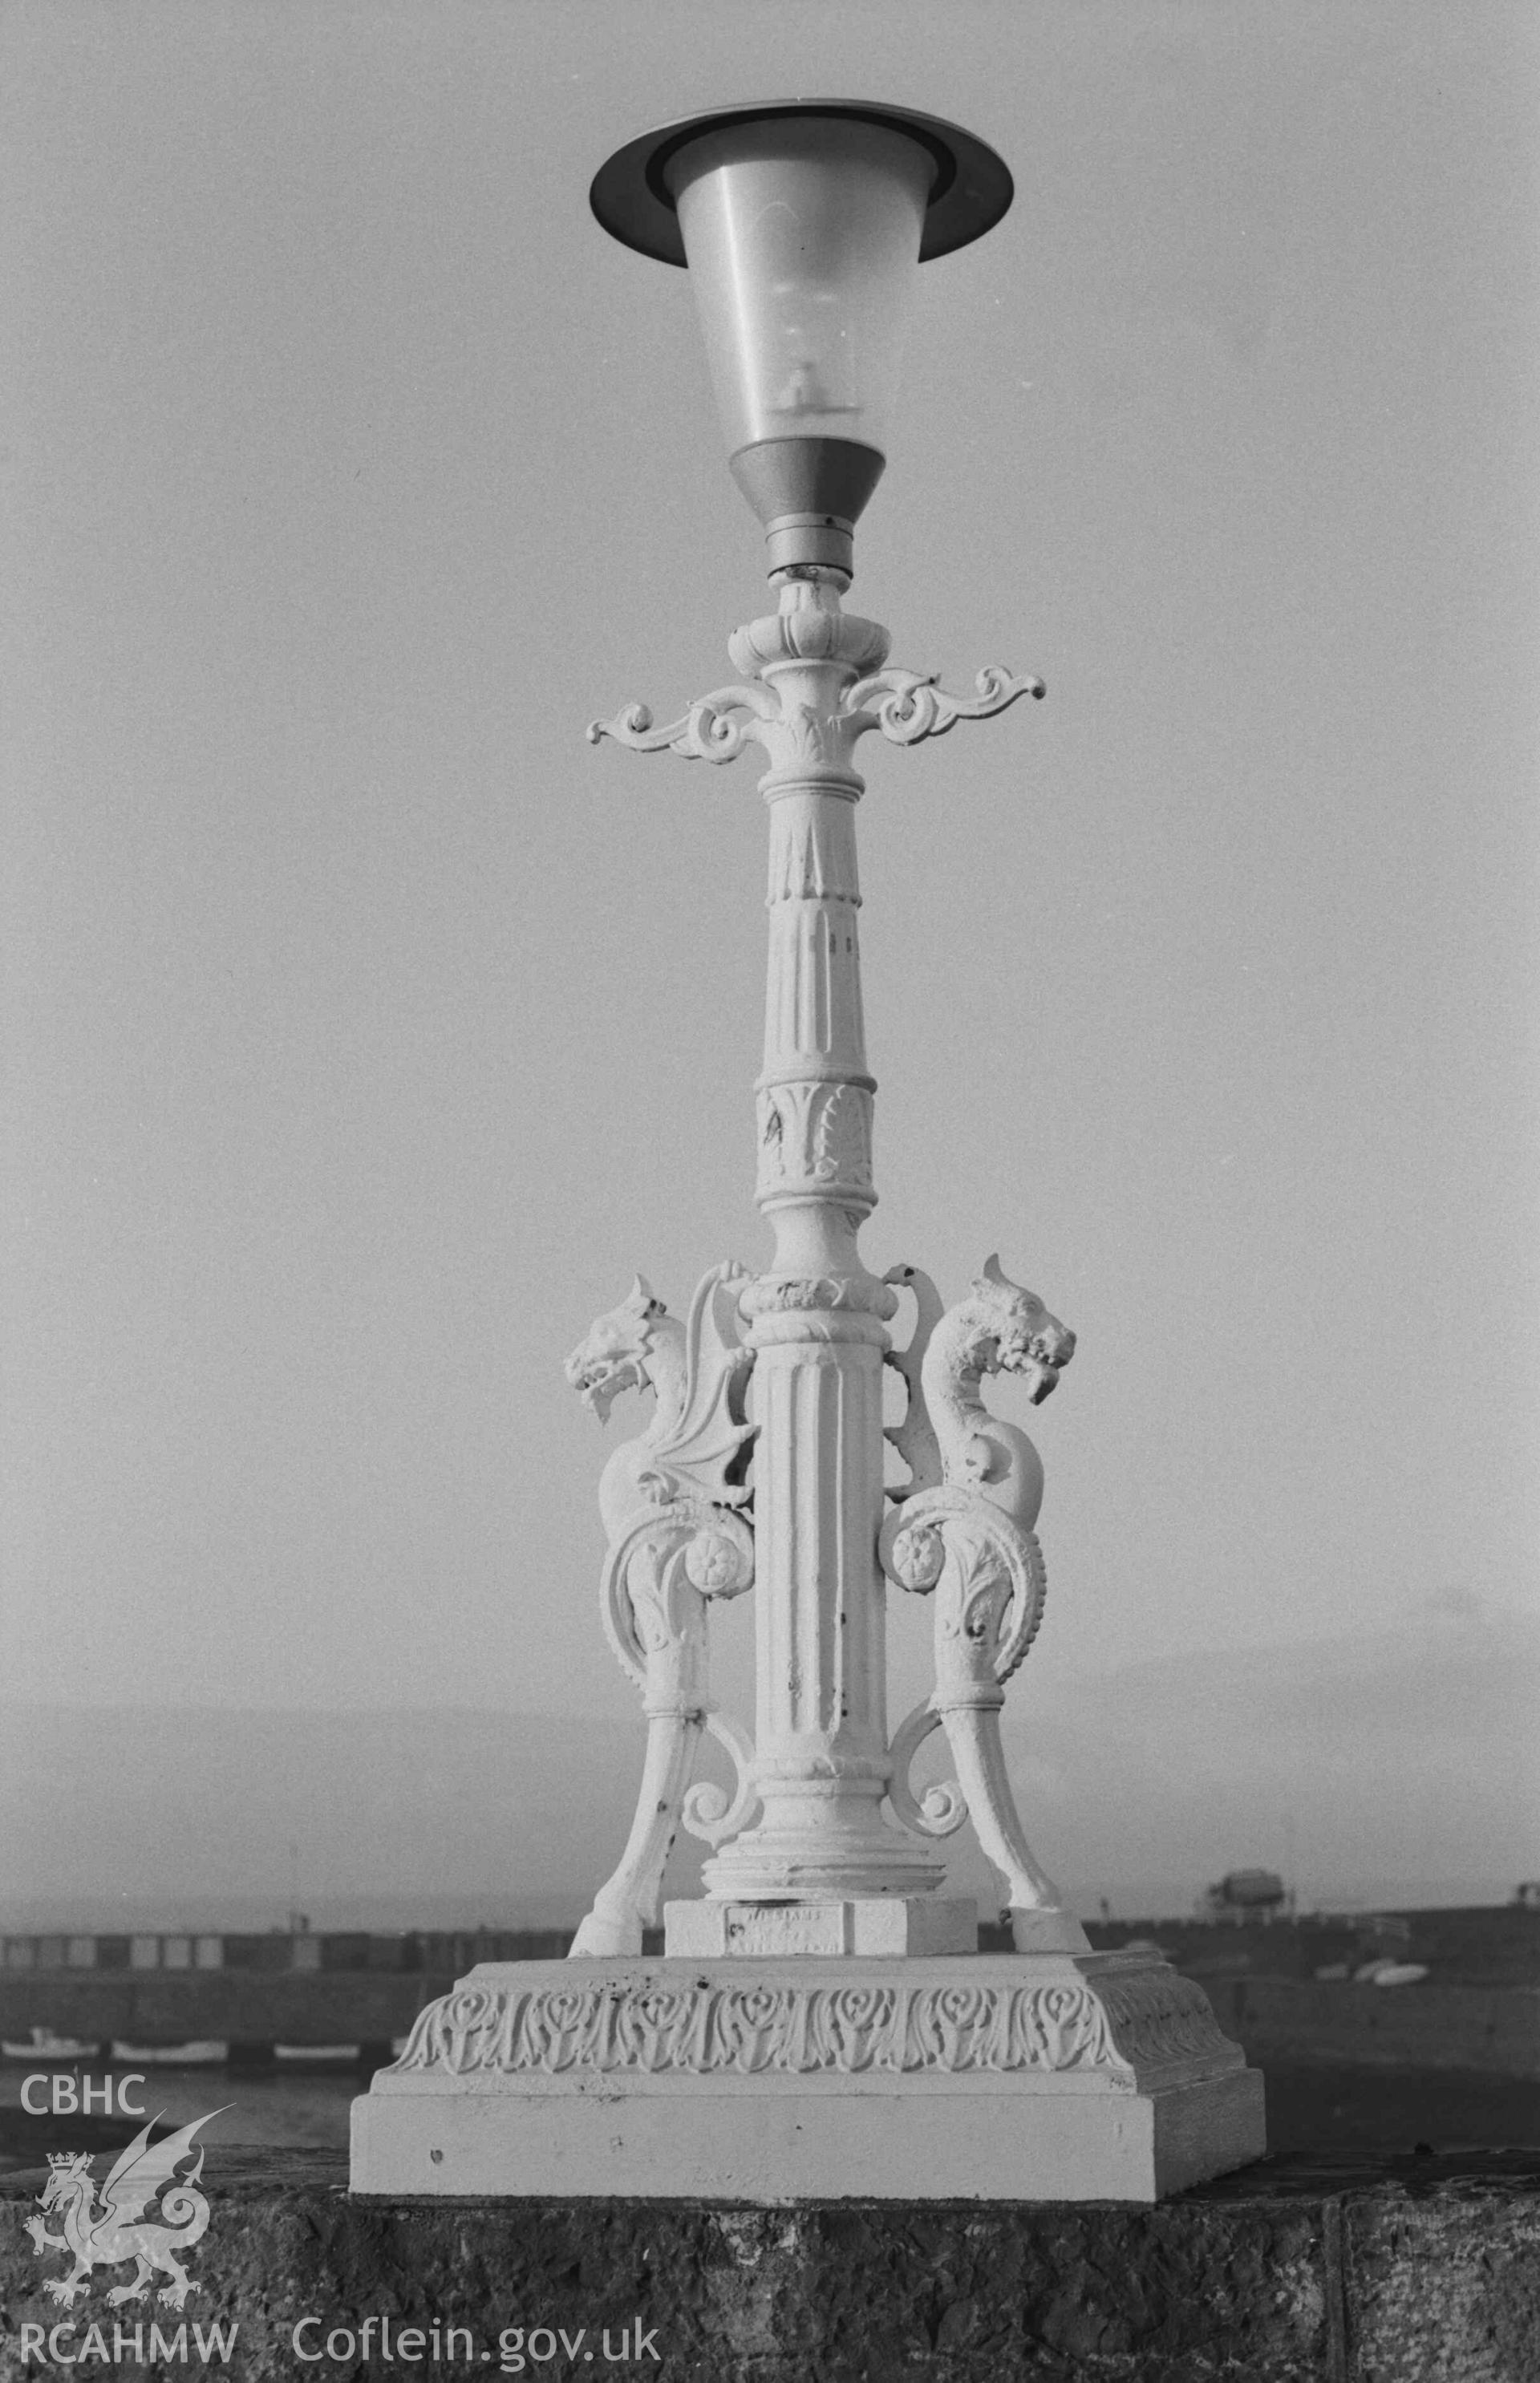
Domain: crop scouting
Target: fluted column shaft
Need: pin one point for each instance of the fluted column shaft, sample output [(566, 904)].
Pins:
[(817, 1317)]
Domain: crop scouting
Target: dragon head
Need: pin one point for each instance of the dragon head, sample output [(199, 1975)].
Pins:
[(613, 1356), (1027, 1339), (65, 2168)]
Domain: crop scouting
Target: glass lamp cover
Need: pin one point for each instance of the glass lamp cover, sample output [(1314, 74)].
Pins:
[(802, 234)]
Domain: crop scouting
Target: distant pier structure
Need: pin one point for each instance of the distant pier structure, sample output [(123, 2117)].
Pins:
[(1243, 1895)]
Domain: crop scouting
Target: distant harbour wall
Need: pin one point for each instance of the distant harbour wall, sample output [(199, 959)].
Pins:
[(279, 1949), (249, 1992)]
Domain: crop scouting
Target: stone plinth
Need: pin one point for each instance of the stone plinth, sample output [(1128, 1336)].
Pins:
[(1010, 2076)]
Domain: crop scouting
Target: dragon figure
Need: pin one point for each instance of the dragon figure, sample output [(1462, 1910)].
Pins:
[(962, 1525), (118, 2230), (673, 1504)]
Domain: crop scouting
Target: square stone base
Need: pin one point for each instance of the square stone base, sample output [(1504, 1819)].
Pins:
[(990, 2077), (1041, 2146), (884, 1925)]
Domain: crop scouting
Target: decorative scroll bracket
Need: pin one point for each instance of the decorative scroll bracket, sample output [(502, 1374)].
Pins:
[(913, 707), (988, 1577), (816, 686), (709, 731), (969, 1539), (673, 1503)]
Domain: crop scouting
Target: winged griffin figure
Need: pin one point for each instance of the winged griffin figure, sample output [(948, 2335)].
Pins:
[(673, 1503), (118, 2229), (962, 1526)]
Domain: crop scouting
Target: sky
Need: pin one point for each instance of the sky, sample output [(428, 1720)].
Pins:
[(366, 1030)]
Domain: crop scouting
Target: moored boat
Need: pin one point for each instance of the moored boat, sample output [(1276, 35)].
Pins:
[(206, 2053), (44, 2044)]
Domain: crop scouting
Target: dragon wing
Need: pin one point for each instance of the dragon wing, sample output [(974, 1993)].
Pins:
[(914, 1438), (710, 1434), (140, 2170)]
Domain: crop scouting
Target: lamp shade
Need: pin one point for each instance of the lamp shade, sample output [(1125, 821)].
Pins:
[(803, 235), (802, 224)]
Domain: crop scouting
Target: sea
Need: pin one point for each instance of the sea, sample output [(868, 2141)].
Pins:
[(310, 2111)]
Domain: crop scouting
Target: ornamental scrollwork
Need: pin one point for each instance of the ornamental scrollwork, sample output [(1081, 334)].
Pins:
[(708, 1811), (674, 1503), (908, 706), (814, 690), (967, 1539), (704, 2028), (990, 1586), (709, 731), (942, 1809)]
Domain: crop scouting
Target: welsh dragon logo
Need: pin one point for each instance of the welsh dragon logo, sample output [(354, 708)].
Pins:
[(118, 2229)]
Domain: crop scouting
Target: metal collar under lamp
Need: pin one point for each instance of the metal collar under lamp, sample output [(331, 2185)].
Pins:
[(802, 222)]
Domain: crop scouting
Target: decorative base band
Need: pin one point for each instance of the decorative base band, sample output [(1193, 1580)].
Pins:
[(884, 1925), (982, 2077), (787, 1857)]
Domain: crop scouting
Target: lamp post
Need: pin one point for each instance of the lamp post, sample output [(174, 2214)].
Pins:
[(821, 1975), (802, 227)]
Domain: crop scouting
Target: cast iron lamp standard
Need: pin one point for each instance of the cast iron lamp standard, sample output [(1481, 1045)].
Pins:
[(822, 2023), (802, 230)]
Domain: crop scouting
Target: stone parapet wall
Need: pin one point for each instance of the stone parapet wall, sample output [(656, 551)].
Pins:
[(1419, 2271)]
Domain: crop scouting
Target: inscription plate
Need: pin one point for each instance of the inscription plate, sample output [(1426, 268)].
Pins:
[(797, 1928)]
